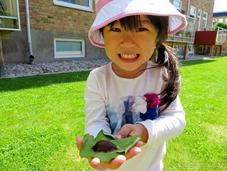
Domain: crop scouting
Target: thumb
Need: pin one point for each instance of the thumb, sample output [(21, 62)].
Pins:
[(133, 132), (79, 142), (125, 131)]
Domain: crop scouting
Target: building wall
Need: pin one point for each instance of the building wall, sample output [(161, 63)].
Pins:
[(49, 17), (204, 5), (15, 48), (49, 21), (222, 19), (183, 42)]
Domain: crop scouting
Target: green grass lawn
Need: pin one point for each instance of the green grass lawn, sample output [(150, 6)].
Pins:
[(41, 115)]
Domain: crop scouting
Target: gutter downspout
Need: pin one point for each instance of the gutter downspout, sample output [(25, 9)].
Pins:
[(31, 57), (188, 10)]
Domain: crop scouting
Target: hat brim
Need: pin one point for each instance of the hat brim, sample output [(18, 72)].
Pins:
[(121, 9)]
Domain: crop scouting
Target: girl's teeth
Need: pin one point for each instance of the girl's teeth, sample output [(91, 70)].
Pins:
[(128, 56)]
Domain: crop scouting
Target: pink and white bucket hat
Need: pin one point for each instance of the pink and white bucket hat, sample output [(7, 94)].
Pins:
[(108, 11)]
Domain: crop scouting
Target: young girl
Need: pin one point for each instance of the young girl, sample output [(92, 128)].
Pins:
[(137, 92)]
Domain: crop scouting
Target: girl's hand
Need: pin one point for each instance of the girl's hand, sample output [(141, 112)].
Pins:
[(134, 129), (115, 163)]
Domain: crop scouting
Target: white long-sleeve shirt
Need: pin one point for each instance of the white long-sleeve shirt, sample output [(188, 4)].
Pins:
[(108, 97)]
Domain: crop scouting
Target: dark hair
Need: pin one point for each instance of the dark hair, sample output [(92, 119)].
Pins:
[(164, 58)]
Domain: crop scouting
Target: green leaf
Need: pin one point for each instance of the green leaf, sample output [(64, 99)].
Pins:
[(89, 142), (123, 145), (126, 143), (104, 136)]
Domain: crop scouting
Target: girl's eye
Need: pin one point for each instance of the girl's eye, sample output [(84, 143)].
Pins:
[(141, 29), (115, 29)]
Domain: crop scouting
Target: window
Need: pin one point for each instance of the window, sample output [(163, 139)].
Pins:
[(177, 4), (190, 50), (9, 15), (205, 15), (205, 18), (192, 12), (199, 13), (69, 48), (199, 16), (85, 5)]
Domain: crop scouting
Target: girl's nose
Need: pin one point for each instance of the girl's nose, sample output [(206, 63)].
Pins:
[(127, 40)]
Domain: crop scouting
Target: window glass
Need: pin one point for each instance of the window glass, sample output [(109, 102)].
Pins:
[(205, 15), (205, 18), (85, 5), (77, 2), (193, 11), (177, 4), (199, 13), (9, 15), (69, 48)]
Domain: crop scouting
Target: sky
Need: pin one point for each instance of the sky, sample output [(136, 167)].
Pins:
[(220, 5)]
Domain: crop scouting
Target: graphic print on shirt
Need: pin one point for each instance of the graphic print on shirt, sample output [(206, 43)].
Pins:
[(131, 110)]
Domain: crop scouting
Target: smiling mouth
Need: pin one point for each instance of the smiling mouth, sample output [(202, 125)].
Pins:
[(128, 57)]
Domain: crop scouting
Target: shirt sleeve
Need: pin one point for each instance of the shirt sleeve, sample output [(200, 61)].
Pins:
[(95, 119), (169, 124)]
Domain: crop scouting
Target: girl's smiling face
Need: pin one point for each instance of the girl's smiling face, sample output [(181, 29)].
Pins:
[(129, 50)]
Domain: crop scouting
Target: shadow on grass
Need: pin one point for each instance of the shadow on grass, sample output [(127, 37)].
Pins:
[(12, 84), (196, 62)]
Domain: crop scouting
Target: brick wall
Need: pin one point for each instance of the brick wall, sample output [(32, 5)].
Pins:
[(207, 6), (46, 16), (204, 5), (22, 14), (49, 21)]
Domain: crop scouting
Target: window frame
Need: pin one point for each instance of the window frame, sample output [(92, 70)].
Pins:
[(12, 17), (74, 6), (205, 19), (61, 55), (194, 10), (199, 13)]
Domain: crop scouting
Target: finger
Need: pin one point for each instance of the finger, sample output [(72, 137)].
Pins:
[(132, 152), (115, 163), (125, 131), (139, 143), (95, 162), (79, 142), (133, 132)]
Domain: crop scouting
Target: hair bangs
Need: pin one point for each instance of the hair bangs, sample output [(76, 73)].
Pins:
[(129, 23)]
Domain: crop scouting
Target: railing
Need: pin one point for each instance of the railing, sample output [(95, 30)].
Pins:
[(9, 15), (221, 36), (188, 34), (181, 38)]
